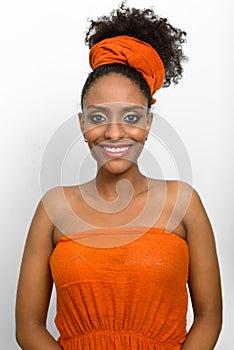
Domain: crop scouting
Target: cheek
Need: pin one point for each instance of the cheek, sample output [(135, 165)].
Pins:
[(97, 133), (136, 133), (94, 133)]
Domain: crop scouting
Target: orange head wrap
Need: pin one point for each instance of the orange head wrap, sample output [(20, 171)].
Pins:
[(133, 52)]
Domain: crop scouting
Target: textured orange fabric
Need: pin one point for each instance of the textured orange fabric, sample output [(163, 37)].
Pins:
[(129, 297), (133, 52)]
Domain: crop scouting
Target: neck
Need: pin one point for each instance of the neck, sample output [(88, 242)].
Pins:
[(130, 183)]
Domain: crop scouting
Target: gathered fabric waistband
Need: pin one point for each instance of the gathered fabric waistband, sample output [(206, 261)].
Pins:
[(108, 339)]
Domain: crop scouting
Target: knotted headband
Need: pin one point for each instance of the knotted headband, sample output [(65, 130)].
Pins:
[(133, 52)]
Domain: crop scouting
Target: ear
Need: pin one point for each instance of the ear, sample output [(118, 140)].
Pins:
[(81, 121)]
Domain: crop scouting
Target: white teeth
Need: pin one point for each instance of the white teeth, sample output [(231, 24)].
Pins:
[(116, 149)]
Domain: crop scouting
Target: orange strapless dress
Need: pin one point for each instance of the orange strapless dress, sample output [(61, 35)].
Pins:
[(132, 296)]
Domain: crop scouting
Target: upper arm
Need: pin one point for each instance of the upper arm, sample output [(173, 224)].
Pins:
[(35, 282), (204, 275)]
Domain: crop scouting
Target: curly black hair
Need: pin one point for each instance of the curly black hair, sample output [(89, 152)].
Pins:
[(146, 26)]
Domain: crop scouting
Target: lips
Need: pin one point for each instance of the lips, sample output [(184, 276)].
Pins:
[(116, 151)]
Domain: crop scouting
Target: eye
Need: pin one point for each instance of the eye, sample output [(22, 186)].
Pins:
[(132, 118), (97, 118)]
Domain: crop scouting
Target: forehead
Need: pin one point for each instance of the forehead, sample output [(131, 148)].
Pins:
[(116, 107), (114, 88)]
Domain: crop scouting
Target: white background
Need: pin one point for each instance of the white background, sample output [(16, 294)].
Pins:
[(44, 63)]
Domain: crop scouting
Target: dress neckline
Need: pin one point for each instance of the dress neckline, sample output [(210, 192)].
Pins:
[(146, 230)]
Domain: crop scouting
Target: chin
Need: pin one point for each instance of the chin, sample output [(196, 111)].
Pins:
[(117, 166)]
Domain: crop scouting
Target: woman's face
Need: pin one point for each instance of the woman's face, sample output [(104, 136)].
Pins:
[(115, 121)]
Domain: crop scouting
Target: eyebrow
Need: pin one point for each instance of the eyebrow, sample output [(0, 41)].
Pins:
[(125, 109), (101, 108)]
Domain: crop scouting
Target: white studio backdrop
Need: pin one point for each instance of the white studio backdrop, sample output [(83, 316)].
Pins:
[(44, 64)]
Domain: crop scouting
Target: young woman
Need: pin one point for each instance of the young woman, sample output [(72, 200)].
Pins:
[(122, 248)]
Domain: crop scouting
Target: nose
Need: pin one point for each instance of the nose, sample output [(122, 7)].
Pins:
[(114, 131)]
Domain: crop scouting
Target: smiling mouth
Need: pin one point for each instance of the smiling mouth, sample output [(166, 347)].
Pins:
[(115, 151)]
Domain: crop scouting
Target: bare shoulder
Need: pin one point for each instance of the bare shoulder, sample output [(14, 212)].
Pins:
[(173, 187), (187, 206), (183, 194), (189, 203), (58, 198), (57, 194)]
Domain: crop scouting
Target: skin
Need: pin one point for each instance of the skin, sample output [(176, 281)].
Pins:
[(118, 181)]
